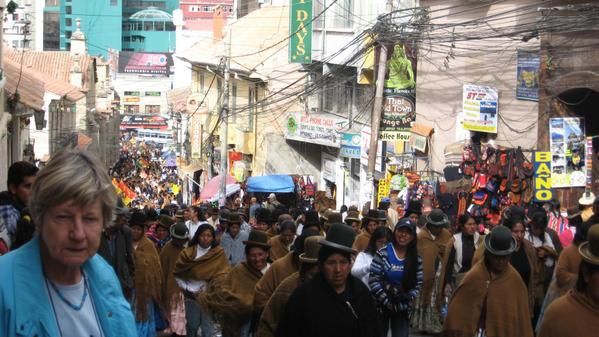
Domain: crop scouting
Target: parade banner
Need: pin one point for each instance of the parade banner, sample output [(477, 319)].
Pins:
[(542, 176), (527, 72), (568, 149), (480, 106), (300, 28), (315, 129), (399, 95), (350, 145)]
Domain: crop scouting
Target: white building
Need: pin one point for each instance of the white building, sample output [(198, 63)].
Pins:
[(24, 27)]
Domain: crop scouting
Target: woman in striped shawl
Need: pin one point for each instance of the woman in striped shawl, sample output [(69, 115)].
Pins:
[(396, 278)]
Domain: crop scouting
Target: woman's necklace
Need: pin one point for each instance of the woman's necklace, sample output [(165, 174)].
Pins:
[(61, 296)]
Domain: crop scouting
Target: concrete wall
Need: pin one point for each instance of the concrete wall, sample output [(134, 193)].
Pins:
[(486, 62)]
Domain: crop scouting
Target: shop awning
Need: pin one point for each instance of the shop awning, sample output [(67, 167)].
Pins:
[(277, 183), (211, 191)]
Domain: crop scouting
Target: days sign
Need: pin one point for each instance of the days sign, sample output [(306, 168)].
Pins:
[(399, 95), (315, 129), (145, 63), (568, 144), (480, 106), (350, 145), (542, 176), (527, 72), (300, 28)]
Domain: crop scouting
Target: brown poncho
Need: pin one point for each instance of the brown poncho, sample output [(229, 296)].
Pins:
[(277, 248), (361, 242), (168, 258), (276, 305), (566, 270), (277, 272), (148, 278), (507, 313), (209, 266), (431, 250), (232, 295), (572, 315)]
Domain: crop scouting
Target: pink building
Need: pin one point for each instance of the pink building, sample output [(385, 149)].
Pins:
[(199, 14)]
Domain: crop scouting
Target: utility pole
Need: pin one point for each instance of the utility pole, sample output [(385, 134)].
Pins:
[(375, 119), (224, 160)]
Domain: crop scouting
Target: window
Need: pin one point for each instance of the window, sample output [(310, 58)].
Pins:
[(68, 34), (15, 17), (68, 22), (132, 108), (153, 93), (338, 15), (152, 109), (202, 79), (67, 46), (131, 93), (15, 44), (114, 2), (68, 10), (127, 39), (148, 26)]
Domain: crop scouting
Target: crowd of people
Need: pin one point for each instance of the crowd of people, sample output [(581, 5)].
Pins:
[(95, 267)]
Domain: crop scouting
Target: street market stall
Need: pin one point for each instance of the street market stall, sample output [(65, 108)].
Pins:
[(276, 183), (211, 191)]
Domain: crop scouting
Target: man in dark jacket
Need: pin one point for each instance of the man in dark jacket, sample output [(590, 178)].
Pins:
[(333, 303), (12, 201), (116, 248)]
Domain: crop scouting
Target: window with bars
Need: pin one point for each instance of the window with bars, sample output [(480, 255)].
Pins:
[(152, 109), (339, 15)]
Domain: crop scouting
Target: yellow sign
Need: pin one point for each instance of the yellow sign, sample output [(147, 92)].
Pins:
[(384, 188), (131, 99), (542, 176)]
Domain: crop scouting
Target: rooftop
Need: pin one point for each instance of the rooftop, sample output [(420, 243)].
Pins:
[(151, 14)]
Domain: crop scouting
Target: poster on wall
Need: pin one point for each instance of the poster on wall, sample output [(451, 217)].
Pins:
[(480, 106), (399, 95), (350, 145), (527, 73), (568, 151)]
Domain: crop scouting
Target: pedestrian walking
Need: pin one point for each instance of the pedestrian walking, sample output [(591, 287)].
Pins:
[(56, 284), (275, 306), (353, 220), (232, 240), (162, 232), (333, 303), (465, 243), (492, 299), (198, 264), (379, 239), (280, 244), (577, 312), (434, 246), (196, 219), (373, 219), (396, 279)]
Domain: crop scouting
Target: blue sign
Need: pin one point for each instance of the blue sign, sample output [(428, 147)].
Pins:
[(350, 145), (528, 76)]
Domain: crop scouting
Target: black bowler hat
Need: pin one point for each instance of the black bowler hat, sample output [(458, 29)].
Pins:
[(257, 239), (500, 241), (340, 237), (437, 218), (311, 219), (138, 218), (180, 231)]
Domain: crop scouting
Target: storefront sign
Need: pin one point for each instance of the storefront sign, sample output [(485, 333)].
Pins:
[(300, 44), (480, 106), (196, 136), (316, 129), (527, 73), (419, 142), (589, 162), (384, 188), (399, 96), (145, 63), (131, 99), (143, 122), (542, 176), (350, 145), (568, 149)]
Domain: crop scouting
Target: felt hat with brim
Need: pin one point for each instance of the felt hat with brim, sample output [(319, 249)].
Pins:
[(311, 248), (590, 249), (375, 215), (263, 215), (137, 219), (334, 217), (234, 218), (500, 241), (180, 214), (340, 237), (587, 199), (223, 215), (415, 207), (437, 218), (257, 239), (165, 221), (122, 211), (352, 216), (179, 231), (311, 219)]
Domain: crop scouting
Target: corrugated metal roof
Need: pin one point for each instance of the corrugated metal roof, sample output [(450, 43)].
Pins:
[(56, 64), (30, 88)]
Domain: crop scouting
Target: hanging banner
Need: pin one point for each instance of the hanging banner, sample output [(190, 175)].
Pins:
[(399, 95), (350, 145), (480, 106), (542, 176), (384, 188), (300, 28), (568, 149), (527, 72), (322, 129), (196, 136), (589, 163)]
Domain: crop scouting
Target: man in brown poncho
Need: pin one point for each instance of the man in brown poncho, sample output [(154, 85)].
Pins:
[(576, 313), (172, 296), (275, 306), (232, 295), (279, 244), (492, 299)]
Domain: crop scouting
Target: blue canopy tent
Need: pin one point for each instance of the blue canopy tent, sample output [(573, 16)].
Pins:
[(276, 183)]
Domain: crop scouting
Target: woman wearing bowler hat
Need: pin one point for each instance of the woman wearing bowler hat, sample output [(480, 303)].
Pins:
[(373, 219), (333, 303), (434, 246), (492, 299), (575, 314)]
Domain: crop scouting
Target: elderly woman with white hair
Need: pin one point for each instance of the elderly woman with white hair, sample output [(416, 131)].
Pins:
[(56, 285)]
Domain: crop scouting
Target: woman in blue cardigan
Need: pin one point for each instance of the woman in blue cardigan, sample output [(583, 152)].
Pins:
[(56, 285)]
